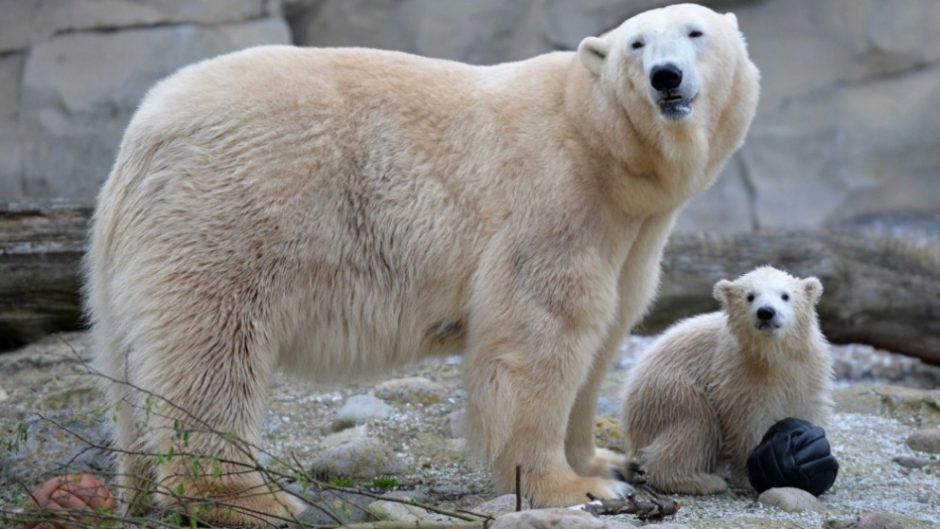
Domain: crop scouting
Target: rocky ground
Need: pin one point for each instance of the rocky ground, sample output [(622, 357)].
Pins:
[(402, 437)]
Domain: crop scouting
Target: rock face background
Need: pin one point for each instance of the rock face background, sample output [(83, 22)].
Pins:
[(847, 129)]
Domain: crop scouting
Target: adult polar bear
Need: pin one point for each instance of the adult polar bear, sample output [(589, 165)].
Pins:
[(338, 211)]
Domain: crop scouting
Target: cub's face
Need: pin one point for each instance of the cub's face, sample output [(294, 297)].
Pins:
[(768, 301), (669, 60)]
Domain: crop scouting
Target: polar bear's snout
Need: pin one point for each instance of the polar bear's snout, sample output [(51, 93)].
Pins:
[(666, 77), (767, 318), (673, 87)]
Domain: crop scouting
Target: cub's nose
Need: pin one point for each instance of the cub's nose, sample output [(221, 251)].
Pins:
[(665, 77), (765, 313)]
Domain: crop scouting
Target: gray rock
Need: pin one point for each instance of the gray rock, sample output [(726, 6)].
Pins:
[(343, 436), (3, 394), (357, 458), (557, 519), (926, 440), (911, 462), (80, 90), (790, 499), (54, 445), (501, 505), (329, 506), (879, 520), (360, 409), (411, 390), (410, 495), (383, 510)]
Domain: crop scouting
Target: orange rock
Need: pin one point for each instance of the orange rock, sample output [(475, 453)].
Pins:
[(62, 499)]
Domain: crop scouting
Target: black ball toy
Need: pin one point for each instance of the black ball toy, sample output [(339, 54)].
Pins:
[(793, 453)]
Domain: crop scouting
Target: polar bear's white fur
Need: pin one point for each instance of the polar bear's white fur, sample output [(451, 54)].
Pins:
[(710, 387), (340, 211)]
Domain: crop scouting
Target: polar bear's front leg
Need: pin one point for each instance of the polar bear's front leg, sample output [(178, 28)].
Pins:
[(519, 399), (535, 323), (586, 459), (636, 286)]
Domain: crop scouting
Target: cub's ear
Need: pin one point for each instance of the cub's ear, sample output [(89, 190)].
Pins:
[(593, 51), (813, 288), (723, 291)]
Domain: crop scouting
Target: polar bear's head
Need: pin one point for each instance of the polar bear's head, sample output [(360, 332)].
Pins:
[(670, 60), (769, 302)]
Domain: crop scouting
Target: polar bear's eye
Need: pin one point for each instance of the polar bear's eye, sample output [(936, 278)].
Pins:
[(637, 44), (785, 296), (694, 34), (750, 298)]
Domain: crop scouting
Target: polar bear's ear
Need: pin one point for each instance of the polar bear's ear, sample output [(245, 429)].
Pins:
[(813, 288), (723, 291), (593, 51), (733, 18)]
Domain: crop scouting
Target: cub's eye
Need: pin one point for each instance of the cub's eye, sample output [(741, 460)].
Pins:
[(637, 44), (694, 34), (750, 298), (785, 297)]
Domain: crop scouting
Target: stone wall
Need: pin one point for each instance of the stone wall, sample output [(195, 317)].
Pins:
[(847, 128), (73, 71)]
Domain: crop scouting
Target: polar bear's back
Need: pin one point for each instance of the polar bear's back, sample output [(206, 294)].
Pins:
[(295, 186)]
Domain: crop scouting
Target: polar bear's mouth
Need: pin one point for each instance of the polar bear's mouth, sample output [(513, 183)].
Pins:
[(674, 107), (767, 326)]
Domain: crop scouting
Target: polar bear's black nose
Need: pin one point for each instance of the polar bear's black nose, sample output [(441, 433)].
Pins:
[(666, 77), (765, 313)]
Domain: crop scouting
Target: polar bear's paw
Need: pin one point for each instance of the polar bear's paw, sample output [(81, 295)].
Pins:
[(607, 463), (574, 489)]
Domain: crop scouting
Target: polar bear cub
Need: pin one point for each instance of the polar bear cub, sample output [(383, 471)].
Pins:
[(709, 388)]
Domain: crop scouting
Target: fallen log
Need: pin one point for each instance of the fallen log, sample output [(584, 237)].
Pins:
[(878, 290), (41, 245)]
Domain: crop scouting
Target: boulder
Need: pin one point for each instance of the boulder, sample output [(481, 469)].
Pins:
[(925, 440), (358, 458), (360, 409)]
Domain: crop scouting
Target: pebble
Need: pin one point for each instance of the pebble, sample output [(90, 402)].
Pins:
[(3, 394), (878, 520), (357, 458), (501, 505), (360, 409), (411, 390), (927, 440), (790, 499)]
